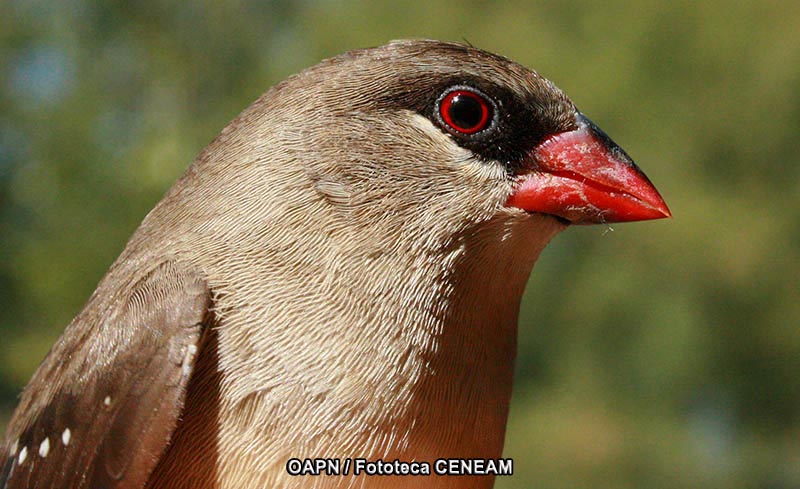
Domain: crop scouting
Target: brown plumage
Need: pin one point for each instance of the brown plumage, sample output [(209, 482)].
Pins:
[(337, 275)]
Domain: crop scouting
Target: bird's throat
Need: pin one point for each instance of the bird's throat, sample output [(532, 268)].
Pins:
[(429, 377), (462, 402)]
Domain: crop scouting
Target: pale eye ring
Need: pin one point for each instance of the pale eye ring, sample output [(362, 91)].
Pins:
[(465, 111)]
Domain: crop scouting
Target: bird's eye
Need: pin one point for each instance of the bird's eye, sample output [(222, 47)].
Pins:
[(465, 111)]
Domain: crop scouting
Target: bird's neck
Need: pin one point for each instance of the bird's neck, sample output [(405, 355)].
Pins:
[(464, 397), (415, 365)]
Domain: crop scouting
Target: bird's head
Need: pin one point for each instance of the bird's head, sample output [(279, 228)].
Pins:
[(417, 129)]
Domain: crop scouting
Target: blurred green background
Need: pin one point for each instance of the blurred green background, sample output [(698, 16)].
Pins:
[(658, 354)]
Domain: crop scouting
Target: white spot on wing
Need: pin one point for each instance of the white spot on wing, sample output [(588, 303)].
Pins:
[(23, 454), (107, 401), (44, 448), (14, 447), (65, 436), (186, 366)]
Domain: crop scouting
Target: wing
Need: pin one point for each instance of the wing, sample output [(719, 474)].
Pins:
[(100, 410)]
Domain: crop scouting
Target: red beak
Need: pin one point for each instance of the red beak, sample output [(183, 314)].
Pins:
[(585, 178)]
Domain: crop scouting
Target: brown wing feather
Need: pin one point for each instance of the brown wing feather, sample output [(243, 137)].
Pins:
[(101, 409)]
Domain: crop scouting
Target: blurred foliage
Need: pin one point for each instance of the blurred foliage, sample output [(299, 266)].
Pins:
[(658, 354)]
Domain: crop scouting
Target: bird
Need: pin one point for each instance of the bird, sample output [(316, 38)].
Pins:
[(337, 275)]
